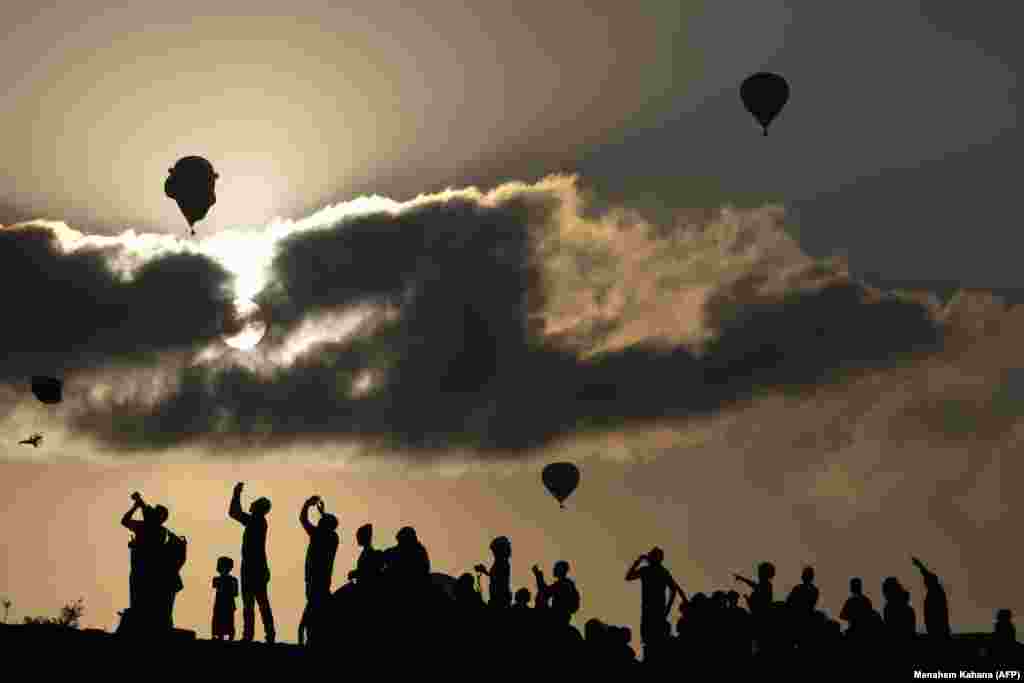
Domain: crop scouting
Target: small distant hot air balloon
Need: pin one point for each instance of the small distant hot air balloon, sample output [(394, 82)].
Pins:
[(47, 389), (191, 185), (561, 479), (764, 95)]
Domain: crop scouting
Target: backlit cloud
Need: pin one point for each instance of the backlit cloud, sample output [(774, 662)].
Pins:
[(492, 323)]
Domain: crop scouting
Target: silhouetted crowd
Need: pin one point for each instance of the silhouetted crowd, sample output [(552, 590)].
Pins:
[(393, 596)]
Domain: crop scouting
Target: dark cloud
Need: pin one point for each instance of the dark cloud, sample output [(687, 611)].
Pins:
[(68, 310), (465, 364), (807, 336)]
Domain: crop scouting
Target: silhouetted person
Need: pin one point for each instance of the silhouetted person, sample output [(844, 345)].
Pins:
[(467, 596), (226, 587), (936, 606), (858, 611), (594, 635), (407, 561), (691, 626), (760, 601), (801, 603), (561, 597), (323, 546), (151, 581), (900, 620), (406, 581), (364, 593), (804, 596), (761, 604), (522, 599), (1004, 635), (655, 581), (717, 624), (370, 565), (624, 653), (500, 574), (255, 570), (737, 626), (172, 560), (542, 599)]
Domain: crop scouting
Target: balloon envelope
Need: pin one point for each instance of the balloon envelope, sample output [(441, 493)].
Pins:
[(191, 185), (764, 95), (47, 389), (561, 479)]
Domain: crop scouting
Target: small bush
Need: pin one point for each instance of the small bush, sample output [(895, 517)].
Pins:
[(68, 617)]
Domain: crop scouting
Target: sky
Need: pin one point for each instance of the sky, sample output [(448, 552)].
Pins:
[(486, 237)]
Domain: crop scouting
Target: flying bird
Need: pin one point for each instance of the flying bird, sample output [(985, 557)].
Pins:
[(32, 440)]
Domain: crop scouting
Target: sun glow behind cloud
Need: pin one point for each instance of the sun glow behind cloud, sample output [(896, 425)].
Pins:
[(600, 284), (246, 253), (329, 328)]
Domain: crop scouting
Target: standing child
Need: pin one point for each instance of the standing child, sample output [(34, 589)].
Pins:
[(224, 603), (500, 573)]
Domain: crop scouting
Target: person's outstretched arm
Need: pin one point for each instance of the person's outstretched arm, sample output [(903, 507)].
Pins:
[(745, 580), (235, 511), (674, 590), (304, 515), (542, 588), (127, 521), (633, 574), (924, 570)]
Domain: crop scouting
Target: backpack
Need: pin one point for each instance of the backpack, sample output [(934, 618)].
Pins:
[(574, 599), (176, 551)]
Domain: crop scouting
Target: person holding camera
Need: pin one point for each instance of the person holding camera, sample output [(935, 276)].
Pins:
[(323, 546), (655, 580), (157, 556), (255, 569)]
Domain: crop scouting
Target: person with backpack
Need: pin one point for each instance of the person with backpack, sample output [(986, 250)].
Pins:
[(561, 597), (175, 554), (157, 558)]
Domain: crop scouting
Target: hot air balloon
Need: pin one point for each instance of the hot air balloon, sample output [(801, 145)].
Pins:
[(47, 389), (764, 95), (190, 184), (561, 479)]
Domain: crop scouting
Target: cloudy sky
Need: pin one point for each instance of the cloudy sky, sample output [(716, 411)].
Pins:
[(484, 239)]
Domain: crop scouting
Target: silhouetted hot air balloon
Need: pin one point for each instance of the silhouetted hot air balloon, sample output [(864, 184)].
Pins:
[(764, 95), (47, 389), (190, 184), (561, 479)]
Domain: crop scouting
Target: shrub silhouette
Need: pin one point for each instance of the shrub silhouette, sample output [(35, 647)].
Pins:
[(68, 617)]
